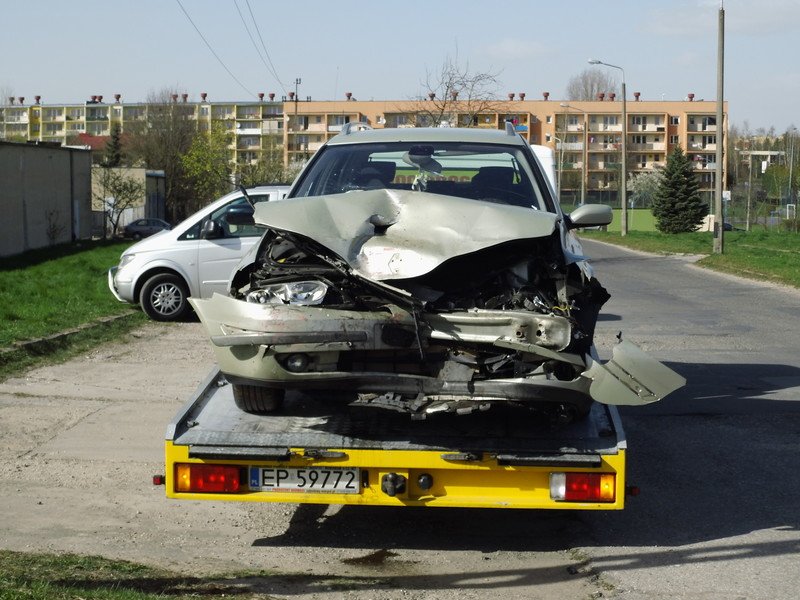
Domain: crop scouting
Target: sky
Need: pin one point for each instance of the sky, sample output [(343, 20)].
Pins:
[(377, 50)]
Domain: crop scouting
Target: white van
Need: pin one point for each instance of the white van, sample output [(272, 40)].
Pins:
[(195, 258)]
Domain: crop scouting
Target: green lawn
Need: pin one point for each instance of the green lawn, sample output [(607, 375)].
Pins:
[(54, 290), (47, 291), (762, 255)]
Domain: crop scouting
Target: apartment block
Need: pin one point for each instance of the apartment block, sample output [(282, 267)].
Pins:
[(586, 136)]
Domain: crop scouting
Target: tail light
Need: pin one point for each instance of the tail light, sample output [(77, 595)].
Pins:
[(583, 487), (207, 478)]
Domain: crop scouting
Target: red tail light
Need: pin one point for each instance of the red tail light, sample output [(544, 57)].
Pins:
[(583, 487), (206, 478)]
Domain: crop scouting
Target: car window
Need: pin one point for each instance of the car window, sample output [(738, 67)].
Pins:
[(193, 232), (487, 172)]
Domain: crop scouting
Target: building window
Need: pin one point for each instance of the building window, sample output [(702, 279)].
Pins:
[(639, 120), (549, 119), (674, 139), (674, 120), (610, 120), (547, 137)]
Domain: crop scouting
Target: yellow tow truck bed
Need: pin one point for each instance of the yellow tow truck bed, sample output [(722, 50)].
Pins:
[(314, 451)]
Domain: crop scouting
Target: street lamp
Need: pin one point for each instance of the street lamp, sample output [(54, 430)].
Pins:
[(583, 153), (560, 146), (624, 188)]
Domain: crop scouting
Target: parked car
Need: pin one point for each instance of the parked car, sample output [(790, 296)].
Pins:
[(423, 270), (195, 258), (142, 228)]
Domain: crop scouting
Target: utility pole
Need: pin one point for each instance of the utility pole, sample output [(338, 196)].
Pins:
[(719, 229)]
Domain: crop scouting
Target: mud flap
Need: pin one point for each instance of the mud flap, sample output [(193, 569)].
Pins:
[(631, 377)]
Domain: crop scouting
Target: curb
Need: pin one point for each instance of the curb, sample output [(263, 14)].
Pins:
[(48, 344)]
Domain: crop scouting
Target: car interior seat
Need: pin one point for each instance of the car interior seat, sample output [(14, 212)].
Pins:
[(375, 175)]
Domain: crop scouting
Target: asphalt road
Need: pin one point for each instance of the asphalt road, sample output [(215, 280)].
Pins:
[(717, 463)]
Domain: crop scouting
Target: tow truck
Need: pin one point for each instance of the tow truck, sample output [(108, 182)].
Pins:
[(313, 451), (333, 233)]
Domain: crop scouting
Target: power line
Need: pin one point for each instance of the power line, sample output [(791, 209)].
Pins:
[(212, 50), (263, 45), (270, 69)]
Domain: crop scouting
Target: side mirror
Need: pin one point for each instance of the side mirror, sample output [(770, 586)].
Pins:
[(589, 215), (211, 230), (240, 215)]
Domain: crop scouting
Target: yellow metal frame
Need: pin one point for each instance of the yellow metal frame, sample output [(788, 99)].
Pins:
[(479, 484)]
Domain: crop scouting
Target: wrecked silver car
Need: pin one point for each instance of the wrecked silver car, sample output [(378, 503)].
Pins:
[(423, 270)]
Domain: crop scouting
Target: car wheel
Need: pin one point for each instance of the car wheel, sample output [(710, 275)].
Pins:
[(164, 297), (137, 236), (256, 399)]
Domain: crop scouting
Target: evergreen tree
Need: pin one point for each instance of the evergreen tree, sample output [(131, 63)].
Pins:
[(113, 149), (678, 205)]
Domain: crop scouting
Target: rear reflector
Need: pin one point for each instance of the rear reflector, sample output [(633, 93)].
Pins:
[(583, 487), (206, 478)]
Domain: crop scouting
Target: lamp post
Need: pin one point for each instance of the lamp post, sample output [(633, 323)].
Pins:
[(583, 152), (790, 133), (560, 146), (624, 187)]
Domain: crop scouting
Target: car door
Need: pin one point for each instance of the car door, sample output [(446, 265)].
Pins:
[(218, 256)]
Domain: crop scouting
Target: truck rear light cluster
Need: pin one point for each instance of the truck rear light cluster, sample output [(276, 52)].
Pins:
[(583, 487), (206, 478)]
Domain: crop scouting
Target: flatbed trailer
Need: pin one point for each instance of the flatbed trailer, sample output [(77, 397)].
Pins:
[(313, 451)]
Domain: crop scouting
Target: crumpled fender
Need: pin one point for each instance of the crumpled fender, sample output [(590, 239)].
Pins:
[(631, 377)]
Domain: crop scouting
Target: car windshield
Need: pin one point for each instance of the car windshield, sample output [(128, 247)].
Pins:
[(486, 172)]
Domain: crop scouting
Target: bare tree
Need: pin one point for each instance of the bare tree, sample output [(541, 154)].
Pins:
[(160, 140), (269, 168), (590, 82), (6, 92), (457, 96), (116, 191)]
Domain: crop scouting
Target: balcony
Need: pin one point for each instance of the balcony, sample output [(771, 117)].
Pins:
[(662, 146), (317, 127), (701, 127), (599, 127), (565, 146), (249, 131), (652, 127), (304, 147), (604, 166)]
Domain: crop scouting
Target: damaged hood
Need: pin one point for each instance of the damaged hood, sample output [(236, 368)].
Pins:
[(398, 234)]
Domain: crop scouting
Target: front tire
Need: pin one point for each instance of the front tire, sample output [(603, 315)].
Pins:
[(164, 297), (256, 399)]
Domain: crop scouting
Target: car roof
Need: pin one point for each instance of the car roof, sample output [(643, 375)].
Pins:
[(428, 134)]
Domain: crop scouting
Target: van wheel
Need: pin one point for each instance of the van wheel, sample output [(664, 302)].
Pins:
[(256, 399), (164, 297)]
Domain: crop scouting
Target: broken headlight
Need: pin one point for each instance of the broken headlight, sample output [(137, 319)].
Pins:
[(302, 293)]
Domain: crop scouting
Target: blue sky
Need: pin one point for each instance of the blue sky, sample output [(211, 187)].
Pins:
[(68, 51)]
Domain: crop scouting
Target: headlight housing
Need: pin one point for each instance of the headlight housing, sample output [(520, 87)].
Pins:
[(126, 259), (301, 293)]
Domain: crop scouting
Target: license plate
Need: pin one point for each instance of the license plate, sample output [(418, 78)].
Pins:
[(323, 480)]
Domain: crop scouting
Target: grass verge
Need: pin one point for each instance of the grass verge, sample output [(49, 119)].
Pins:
[(31, 576), (59, 297), (761, 255), (54, 289)]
